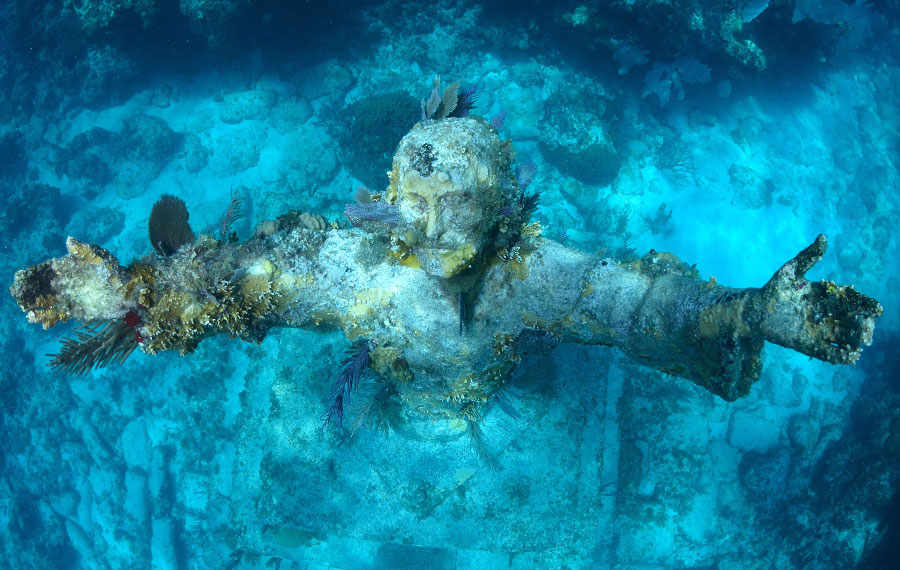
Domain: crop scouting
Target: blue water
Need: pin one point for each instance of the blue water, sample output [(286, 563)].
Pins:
[(734, 137)]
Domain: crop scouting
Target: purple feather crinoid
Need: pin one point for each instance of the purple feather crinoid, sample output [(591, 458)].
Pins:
[(466, 101), (498, 120), (525, 173), (352, 369), (374, 212)]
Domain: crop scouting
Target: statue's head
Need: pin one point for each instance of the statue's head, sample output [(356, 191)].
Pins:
[(453, 185)]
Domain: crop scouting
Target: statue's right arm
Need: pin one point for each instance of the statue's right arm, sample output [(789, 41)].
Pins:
[(288, 278)]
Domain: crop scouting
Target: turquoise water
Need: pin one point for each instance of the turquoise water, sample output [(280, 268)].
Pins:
[(730, 136)]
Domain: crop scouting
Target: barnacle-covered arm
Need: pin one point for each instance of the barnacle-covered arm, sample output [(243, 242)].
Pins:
[(660, 313), (173, 302), (86, 285), (821, 319)]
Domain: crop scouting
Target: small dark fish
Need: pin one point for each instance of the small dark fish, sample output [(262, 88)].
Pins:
[(462, 312)]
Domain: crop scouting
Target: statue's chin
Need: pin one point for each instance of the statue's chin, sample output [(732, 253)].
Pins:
[(446, 262)]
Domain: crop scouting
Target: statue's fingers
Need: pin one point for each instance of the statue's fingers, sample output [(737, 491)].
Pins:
[(811, 255), (793, 271)]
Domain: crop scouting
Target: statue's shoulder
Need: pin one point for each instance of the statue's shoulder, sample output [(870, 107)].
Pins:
[(541, 258), (353, 250)]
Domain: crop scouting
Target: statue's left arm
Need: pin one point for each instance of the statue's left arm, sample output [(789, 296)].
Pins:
[(659, 312)]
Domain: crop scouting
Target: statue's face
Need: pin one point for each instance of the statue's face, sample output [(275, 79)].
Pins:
[(446, 226), (451, 182)]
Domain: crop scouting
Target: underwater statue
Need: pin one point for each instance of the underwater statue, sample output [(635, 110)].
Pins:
[(443, 285)]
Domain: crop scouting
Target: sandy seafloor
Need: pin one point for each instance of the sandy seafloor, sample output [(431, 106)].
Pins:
[(218, 459)]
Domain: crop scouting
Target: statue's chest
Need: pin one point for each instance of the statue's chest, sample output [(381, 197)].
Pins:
[(444, 375)]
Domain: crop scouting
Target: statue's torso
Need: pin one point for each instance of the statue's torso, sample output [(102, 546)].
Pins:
[(442, 352)]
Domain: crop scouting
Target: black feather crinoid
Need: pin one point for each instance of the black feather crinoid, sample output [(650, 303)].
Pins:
[(352, 369)]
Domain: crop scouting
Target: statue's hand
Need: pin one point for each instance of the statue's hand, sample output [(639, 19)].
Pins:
[(821, 319)]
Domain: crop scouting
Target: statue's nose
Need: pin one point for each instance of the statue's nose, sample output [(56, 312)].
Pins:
[(431, 223)]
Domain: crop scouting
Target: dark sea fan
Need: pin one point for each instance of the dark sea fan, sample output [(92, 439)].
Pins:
[(629, 56), (168, 227), (663, 80)]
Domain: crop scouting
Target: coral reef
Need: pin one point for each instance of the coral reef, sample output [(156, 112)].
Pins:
[(371, 129), (130, 158), (575, 137)]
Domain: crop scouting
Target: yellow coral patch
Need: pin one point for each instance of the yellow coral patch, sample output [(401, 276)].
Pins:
[(271, 270), (374, 296), (529, 319), (452, 262), (326, 317), (304, 280), (48, 317), (411, 261), (389, 362), (724, 318), (359, 312), (390, 195)]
